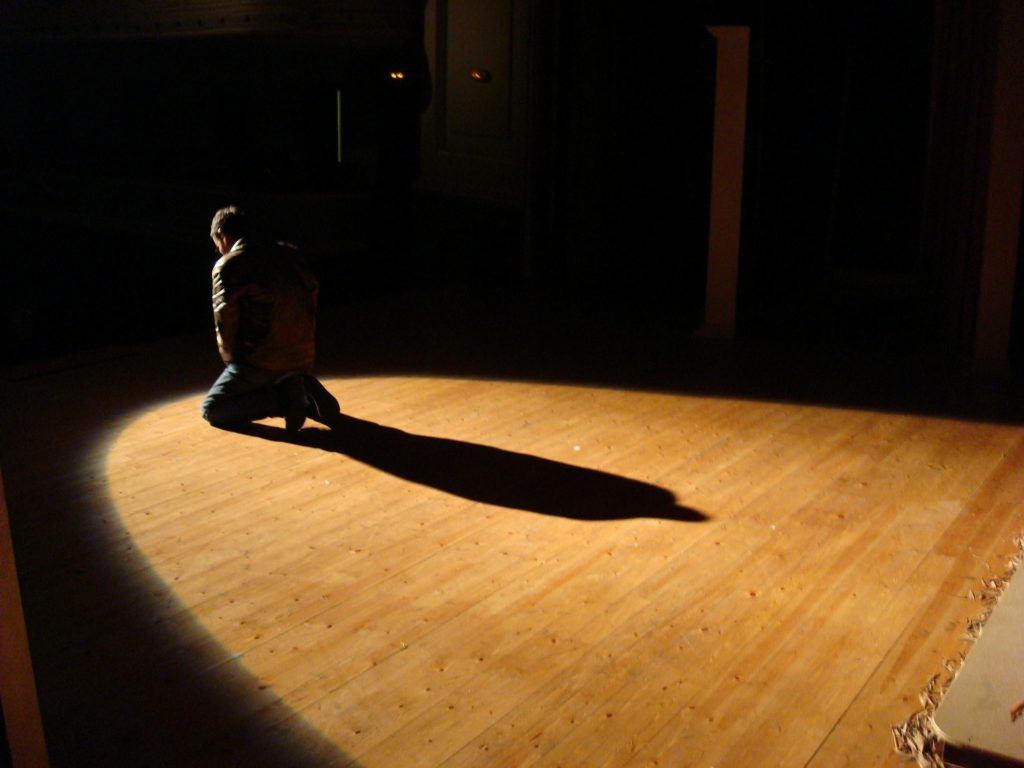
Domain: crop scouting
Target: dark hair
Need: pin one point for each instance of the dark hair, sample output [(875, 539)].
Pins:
[(231, 221)]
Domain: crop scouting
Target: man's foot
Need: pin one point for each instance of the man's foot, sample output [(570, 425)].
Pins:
[(321, 404), (293, 403)]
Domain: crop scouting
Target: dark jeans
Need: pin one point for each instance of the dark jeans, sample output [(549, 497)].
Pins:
[(243, 393)]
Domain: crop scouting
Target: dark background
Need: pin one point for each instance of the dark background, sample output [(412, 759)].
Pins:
[(117, 148)]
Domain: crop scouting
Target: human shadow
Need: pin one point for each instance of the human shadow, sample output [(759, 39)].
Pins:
[(488, 475)]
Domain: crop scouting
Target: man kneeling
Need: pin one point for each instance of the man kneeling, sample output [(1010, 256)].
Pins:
[(264, 310)]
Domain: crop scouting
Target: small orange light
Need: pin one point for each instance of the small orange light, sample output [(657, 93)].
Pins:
[(480, 75), (398, 75)]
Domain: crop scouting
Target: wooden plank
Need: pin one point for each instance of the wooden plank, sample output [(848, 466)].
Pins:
[(355, 616)]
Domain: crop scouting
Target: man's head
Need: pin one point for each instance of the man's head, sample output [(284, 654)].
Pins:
[(228, 226)]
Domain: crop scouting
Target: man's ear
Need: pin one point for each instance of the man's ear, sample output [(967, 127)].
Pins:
[(221, 240)]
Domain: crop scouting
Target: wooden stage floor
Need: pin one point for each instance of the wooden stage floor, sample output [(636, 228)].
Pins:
[(518, 550)]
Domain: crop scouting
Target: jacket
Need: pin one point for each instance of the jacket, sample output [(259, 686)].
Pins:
[(264, 307)]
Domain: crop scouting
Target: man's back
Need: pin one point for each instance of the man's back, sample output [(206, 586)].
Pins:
[(264, 301)]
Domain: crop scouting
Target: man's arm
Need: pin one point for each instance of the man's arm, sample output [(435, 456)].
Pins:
[(226, 312)]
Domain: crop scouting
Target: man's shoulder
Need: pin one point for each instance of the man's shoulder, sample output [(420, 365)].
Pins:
[(231, 257), (257, 249)]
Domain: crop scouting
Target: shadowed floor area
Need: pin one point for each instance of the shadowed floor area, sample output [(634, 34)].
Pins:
[(488, 475)]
